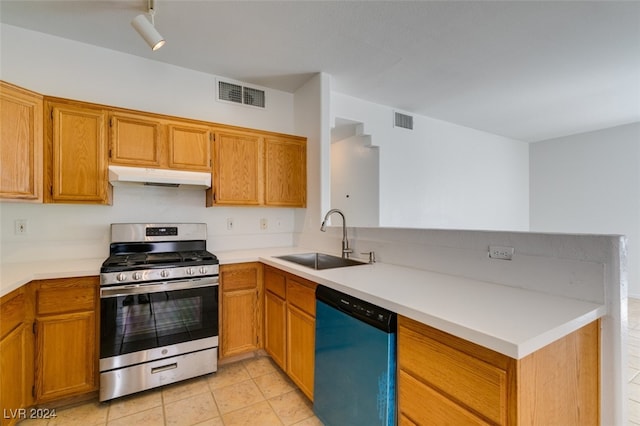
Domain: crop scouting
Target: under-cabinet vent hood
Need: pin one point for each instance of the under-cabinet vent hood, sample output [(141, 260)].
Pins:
[(158, 177)]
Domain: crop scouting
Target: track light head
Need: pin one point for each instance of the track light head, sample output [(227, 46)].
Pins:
[(147, 30)]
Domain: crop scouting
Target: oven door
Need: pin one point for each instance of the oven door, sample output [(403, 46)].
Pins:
[(135, 319)]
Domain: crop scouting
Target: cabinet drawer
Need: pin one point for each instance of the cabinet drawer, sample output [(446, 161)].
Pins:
[(275, 283), (56, 299), (239, 277), (477, 384), (420, 404), (12, 311), (302, 295)]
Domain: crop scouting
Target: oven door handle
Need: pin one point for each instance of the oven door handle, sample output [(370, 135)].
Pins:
[(125, 290)]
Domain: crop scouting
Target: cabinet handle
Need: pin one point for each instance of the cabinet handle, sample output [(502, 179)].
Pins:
[(164, 368)]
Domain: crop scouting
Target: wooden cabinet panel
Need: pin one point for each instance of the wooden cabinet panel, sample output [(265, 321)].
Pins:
[(12, 312), (423, 405), (76, 154), (275, 342), (65, 355), (66, 362), (135, 140), (564, 378), (447, 380), (241, 308), (189, 147), (15, 380), (275, 282), (302, 294), (285, 172), (16, 353), (21, 141), (76, 296), (290, 327), (237, 169), (462, 377), (301, 332)]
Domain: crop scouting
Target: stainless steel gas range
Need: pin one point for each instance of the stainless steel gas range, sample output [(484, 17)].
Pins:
[(158, 307)]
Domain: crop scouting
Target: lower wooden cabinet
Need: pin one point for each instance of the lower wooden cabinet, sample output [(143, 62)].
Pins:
[(301, 333), (16, 355), (275, 316), (445, 380), (240, 308), (66, 362), (290, 325)]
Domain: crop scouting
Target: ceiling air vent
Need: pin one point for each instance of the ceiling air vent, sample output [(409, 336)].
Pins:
[(403, 120), (240, 95)]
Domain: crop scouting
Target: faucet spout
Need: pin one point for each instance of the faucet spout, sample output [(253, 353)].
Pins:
[(345, 242)]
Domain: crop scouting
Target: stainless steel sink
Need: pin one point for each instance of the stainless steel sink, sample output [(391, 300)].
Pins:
[(320, 260)]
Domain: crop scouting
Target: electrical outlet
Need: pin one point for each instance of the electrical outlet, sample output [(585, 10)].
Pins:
[(264, 224), (20, 227), (229, 224), (501, 252)]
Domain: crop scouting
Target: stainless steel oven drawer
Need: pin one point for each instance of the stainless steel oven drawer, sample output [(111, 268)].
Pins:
[(128, 380)]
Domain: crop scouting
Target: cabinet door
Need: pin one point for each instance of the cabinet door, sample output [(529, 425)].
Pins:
[(275, 328), (301, 331), (285, 172), (241, 308), (20, 144), (189, 147), (65, 355), (135, 140), (237, 169), (15, 385), (76, 157)]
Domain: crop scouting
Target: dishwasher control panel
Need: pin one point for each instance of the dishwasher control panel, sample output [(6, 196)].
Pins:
[(374, 315)]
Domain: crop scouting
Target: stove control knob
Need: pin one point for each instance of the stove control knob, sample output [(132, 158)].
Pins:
[(121, 277), (137, 275), (203, 269), (190, 271), (164, 273)]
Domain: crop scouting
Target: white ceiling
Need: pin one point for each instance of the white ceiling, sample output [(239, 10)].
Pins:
[(529, 70)]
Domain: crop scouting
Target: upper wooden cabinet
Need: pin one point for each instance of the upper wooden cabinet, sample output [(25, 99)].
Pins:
[(75, 153), (20, 144), (237, 169), (150, 140), (189, 146), (285, 172), (135, 140), (258, 169)]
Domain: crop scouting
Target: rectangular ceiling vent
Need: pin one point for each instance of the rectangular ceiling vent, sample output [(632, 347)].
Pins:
[(241, 95), (403, 120)]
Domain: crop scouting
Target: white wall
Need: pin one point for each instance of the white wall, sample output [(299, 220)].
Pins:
[(355, 180), (590, 183), (59, 67), (441, 175)]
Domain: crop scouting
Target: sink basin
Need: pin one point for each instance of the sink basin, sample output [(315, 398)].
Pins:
[(320, 260)]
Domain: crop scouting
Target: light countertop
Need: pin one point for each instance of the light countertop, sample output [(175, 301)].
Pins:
[(509, 320)]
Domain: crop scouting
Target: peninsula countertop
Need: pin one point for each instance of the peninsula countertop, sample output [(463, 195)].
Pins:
[(515, 322)]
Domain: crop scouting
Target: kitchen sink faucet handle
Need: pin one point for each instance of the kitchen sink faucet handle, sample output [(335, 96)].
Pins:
[(372, 256)]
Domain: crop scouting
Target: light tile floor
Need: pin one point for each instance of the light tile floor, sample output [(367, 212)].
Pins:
[(254, 392), (249, 392), (634, 361)]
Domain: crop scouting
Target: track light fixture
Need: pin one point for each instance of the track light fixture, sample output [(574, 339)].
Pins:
[(147, 30)]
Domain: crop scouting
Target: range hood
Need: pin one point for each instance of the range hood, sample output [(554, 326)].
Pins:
[(158, 177)]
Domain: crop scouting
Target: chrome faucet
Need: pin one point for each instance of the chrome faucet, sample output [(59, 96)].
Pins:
[(345, 242)]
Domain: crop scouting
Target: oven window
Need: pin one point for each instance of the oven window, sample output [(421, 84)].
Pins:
[(144, 321)]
